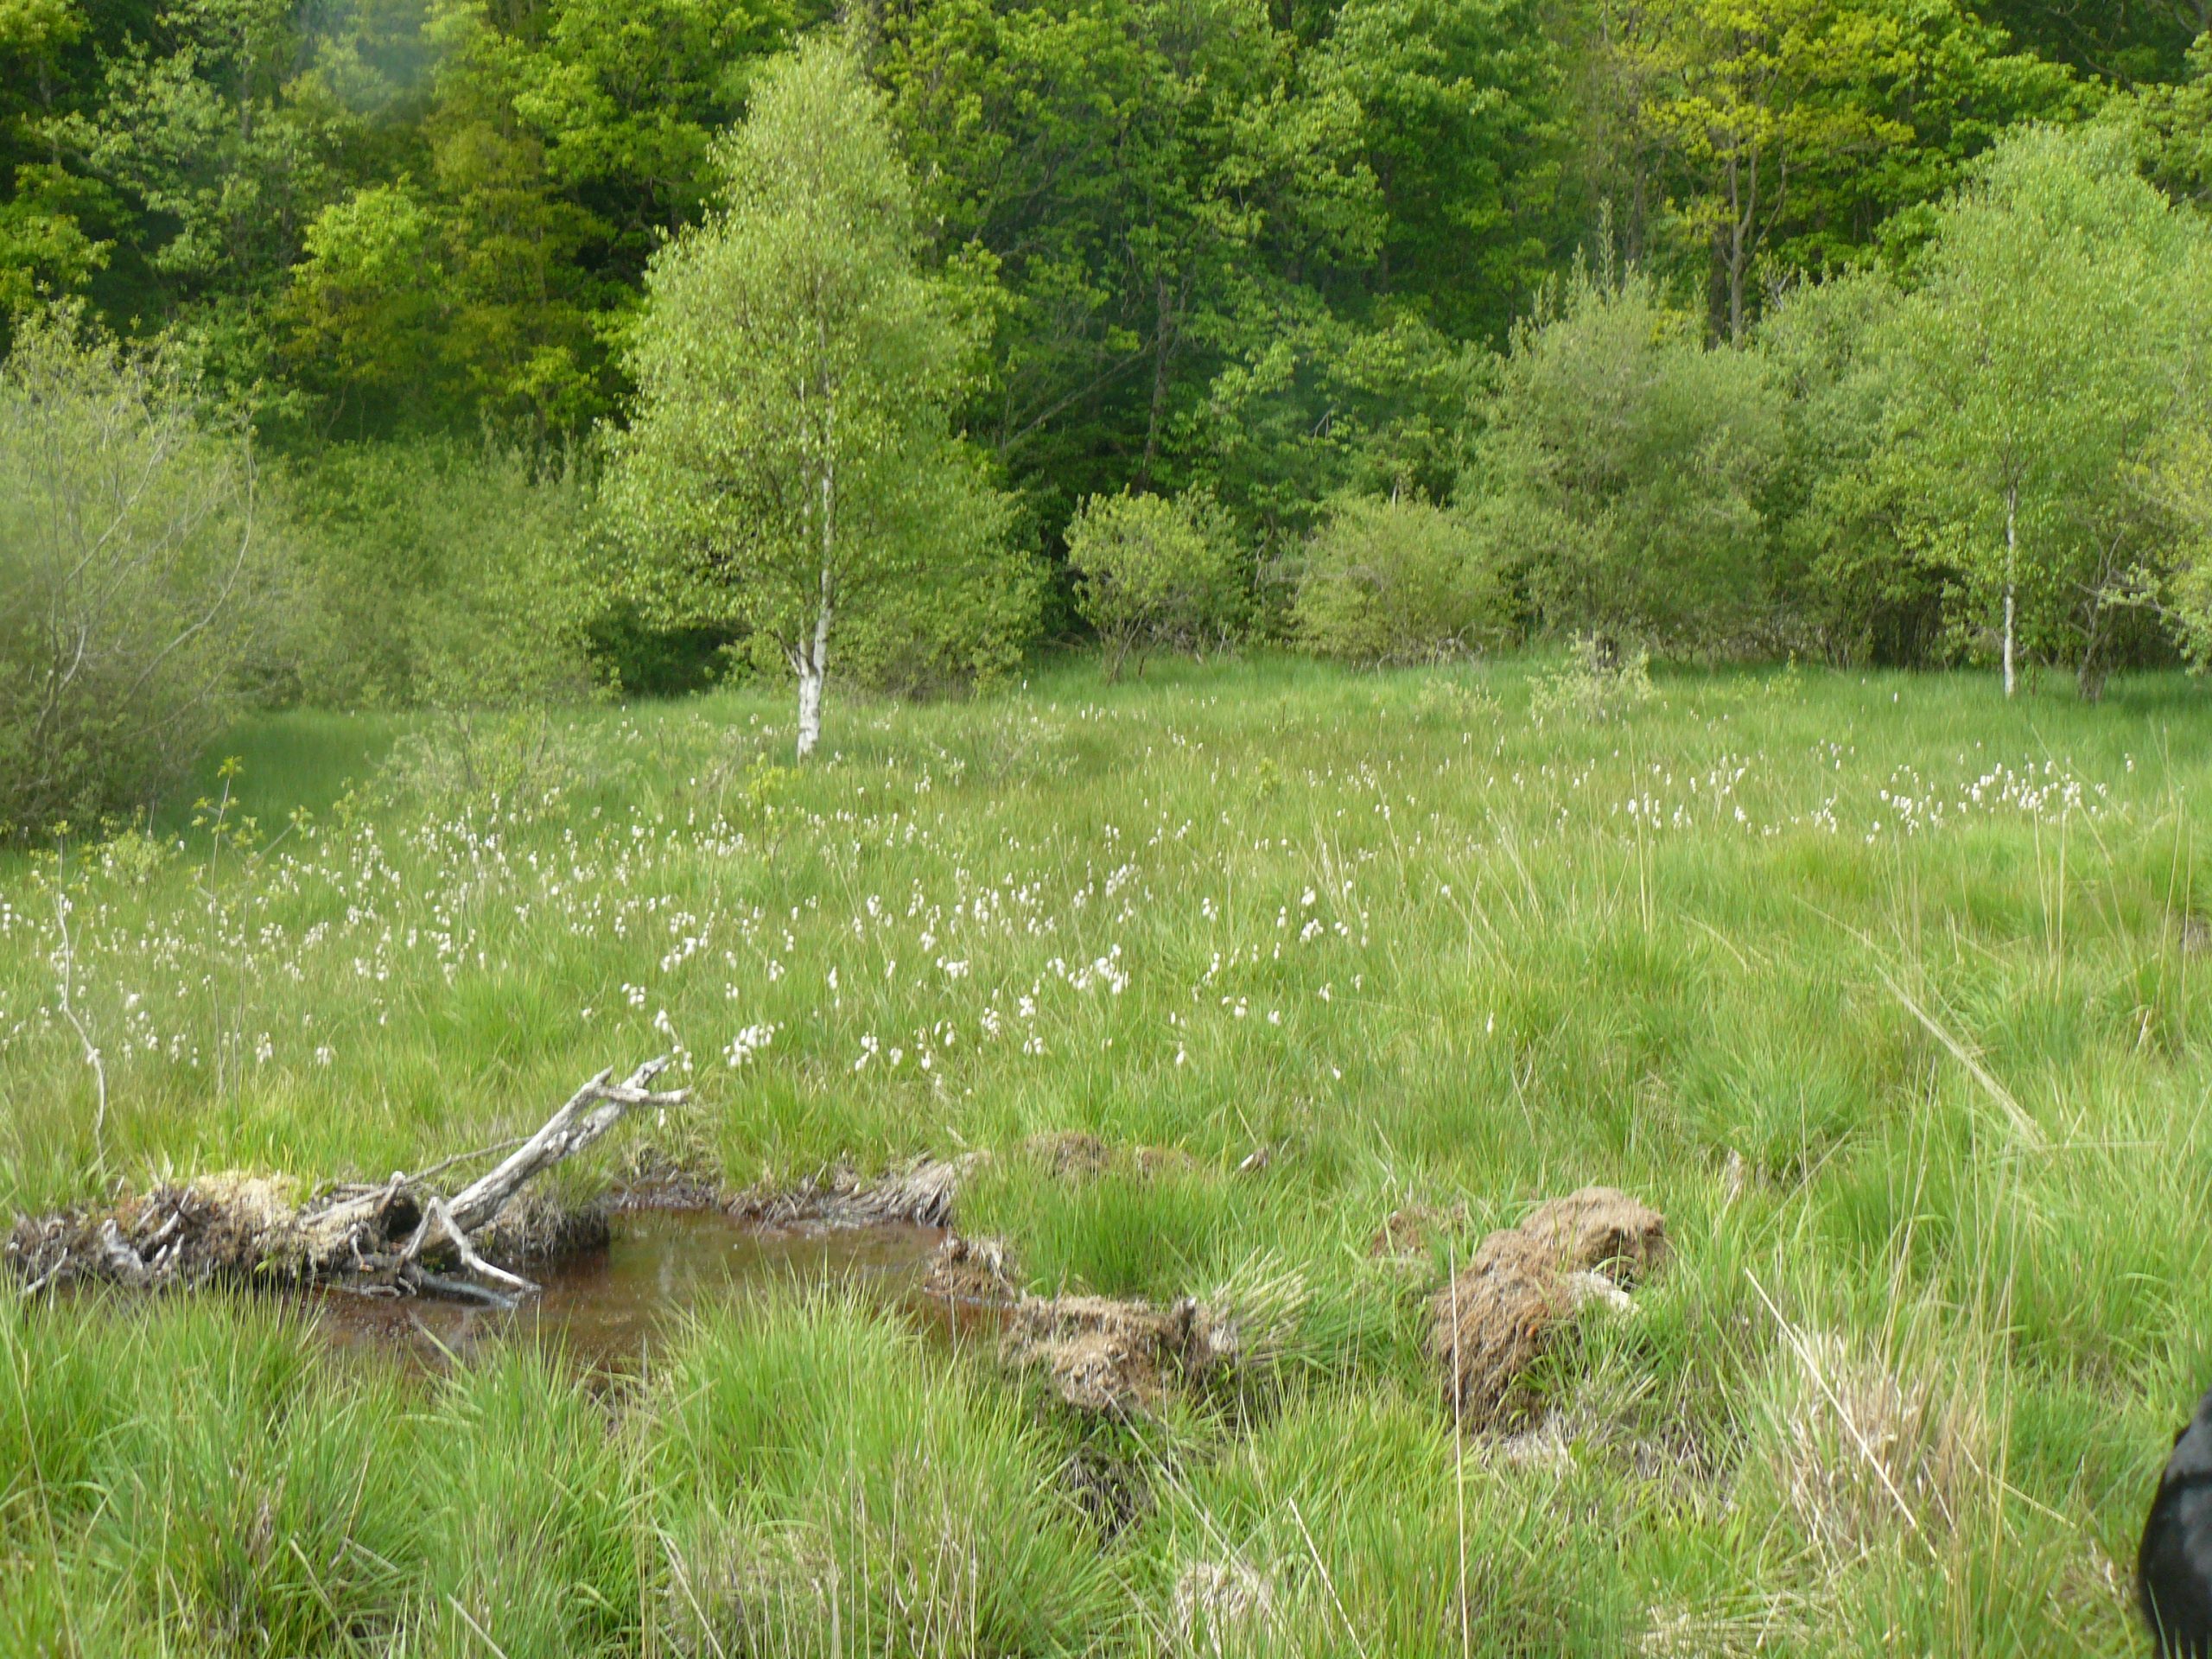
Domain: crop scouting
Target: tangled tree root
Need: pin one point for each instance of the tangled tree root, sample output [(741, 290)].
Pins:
[(400, 1237), (1503, 1312), (1100, 1353)]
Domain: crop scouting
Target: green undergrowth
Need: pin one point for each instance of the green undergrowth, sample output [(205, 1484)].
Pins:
[(1893, 997)]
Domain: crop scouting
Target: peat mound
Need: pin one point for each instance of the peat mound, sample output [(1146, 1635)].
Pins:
[(1510, 1303)]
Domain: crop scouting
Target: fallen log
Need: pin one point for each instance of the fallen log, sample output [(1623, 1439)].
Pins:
[(398, 1236)]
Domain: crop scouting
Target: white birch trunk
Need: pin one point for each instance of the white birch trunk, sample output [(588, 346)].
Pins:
[(810, 704), (2012, 563), (811, 659)]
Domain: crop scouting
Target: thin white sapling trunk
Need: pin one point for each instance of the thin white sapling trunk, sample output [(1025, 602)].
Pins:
[(2012, 564)]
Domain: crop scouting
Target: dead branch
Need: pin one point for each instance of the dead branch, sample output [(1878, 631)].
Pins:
[(391, 1236)]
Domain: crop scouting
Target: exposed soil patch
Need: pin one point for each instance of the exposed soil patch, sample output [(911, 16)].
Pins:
[(1489, 1324)]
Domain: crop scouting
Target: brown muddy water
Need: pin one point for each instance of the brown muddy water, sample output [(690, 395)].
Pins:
[(606, 1309)]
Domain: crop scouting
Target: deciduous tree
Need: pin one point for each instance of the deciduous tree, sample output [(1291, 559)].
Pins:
[(795, 370), (2051, 347)]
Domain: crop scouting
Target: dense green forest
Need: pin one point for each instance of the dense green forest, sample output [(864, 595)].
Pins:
[(1861, 330)]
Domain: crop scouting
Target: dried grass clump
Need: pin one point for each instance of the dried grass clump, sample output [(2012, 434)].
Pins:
[(1862, 1454), (1220, 1607), (921, 1195), (1118, 1357), (1495, 1320), (1100, 1353), (970, 1270), (1405, 1236)]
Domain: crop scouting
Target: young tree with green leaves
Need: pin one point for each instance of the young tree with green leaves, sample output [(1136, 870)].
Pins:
[(1156, 572), (136, 579), (2050, 347), (795, 369)]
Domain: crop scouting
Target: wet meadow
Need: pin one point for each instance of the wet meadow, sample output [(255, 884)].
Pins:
[(1894, 999)]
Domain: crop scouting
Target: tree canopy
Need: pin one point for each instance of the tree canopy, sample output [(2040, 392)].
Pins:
[(790, 460)]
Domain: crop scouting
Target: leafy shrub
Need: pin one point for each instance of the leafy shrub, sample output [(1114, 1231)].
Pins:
[(1596, 683), (450, 575), (1157, 573), (1624, 466), (134, 578), (1398, 580)]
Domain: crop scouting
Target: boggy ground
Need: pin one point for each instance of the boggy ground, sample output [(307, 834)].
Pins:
[(1887, 995)]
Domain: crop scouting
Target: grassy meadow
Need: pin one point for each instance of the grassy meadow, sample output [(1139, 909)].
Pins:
[(1892, 997)]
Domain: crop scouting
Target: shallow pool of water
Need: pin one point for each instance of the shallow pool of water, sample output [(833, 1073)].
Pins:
[(607, 1308)]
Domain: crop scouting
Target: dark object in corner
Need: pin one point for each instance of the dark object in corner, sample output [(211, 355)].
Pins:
[(2173, 1569)]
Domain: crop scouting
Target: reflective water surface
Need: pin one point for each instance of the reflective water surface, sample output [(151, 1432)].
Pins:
[(606, 1308)]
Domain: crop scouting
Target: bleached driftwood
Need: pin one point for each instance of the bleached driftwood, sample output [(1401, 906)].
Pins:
[(384, 1238), (591, 1112)]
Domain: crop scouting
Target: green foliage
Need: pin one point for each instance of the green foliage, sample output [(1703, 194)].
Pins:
[(790, 467), (1835, 514), (2179, 487), (1158, 573), (1738, 146), (2054, 342), (2121, 40), (136, 582), (2170, 126), (1460, 118), (1396, 580), (1623, 469), (448, 575), (1265, 281)]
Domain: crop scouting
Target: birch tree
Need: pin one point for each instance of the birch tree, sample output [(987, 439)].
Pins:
[(788, 464), (2034, 375)]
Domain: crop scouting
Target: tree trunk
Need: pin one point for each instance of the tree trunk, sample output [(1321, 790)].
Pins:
[(811, 659), (2011, 565), (2089, 678), (1739, 230)]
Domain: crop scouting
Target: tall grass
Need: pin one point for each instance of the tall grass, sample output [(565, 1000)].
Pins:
[(1888, 994)]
